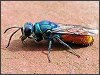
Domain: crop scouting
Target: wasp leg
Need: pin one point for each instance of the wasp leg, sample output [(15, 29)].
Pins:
[(30, 37), (23, 42), (49, 48), (23, 39), (71, 50)]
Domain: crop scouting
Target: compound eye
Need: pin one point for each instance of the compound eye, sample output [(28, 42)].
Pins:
[(27, 32)]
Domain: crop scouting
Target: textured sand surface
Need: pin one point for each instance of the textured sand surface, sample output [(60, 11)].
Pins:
[(30, 59)]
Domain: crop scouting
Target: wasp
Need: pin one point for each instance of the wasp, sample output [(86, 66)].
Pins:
[(47, 30)]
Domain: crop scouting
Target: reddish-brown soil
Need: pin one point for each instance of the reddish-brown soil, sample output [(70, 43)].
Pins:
[(32, 58)]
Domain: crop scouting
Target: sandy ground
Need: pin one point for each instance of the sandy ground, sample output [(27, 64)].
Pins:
[(32, 58)]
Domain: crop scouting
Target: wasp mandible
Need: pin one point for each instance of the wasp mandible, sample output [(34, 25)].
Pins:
[(47, 30)]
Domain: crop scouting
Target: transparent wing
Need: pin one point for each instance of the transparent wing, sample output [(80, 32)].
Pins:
[(74, 29)]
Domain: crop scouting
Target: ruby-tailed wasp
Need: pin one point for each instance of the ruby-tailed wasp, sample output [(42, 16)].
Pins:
[(46, 30)]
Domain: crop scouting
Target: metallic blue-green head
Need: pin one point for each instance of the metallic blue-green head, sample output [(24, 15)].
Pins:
[(28, 29)]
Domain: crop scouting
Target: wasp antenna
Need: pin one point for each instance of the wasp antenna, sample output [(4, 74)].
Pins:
[(11, 36), (10, 28)]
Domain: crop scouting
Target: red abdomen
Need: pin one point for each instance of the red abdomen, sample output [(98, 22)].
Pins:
[(78, 39)]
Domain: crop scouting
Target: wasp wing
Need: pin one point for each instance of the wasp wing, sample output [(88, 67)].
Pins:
[(74, 29)]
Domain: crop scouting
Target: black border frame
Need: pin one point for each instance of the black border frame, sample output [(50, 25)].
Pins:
[(47, 0)]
